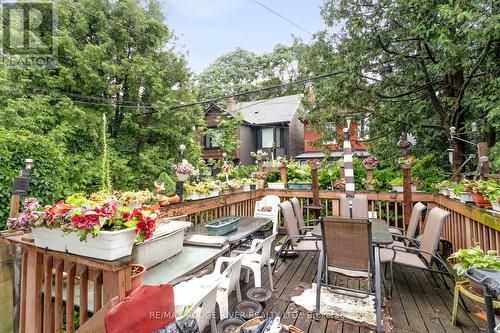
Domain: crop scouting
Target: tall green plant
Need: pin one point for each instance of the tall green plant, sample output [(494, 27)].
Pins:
[(105, 173)]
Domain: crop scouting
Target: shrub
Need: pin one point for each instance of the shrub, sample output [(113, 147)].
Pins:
[(48, 173), (167, 182)]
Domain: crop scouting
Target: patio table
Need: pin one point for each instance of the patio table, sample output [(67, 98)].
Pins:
[(247, 227), (381, 236)]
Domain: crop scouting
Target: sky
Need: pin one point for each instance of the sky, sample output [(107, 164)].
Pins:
[(211, 28)]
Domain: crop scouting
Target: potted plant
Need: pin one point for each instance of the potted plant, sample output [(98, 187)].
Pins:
[(339, 185), (259, 177), (259, 155), (407, 162), (397, 185), (485, 191), (371, 184), (461, 191), (183, 170), (474, 258), (370, 162), (134, 199), (444, 187), (276, 185), (136, 276)]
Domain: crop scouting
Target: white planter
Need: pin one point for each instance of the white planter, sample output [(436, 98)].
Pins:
[(246, 188), (193, 196), (276, 186), (495, 206), (214, 193), (108, 245), (399, 188), (454, 196), (466, 197), (182, 177), (52, 239), (166, 242)]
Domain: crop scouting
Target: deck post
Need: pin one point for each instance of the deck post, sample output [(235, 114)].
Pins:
[(407, 202)]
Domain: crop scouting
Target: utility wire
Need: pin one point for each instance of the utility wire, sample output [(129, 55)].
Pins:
[(115, 23)]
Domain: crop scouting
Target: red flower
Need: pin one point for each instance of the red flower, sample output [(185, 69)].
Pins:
[(126, 216)]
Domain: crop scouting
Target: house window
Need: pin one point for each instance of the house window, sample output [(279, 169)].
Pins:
[(267, 137), (209, 142), (272, 136)]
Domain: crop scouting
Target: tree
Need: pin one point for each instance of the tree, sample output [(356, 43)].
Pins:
[(419, 66), (114, 59)]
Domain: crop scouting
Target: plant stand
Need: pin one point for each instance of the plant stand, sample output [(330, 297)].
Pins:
[(463, 287)]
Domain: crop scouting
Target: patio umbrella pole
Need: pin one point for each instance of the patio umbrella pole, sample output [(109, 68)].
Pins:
[(348, 169)]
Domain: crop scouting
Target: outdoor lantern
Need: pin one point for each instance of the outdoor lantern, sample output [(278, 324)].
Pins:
[(182, 147), (453, 131), (450, 155), (28, 163)]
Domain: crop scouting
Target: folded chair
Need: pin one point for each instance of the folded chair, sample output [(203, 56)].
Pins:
[(346, 249), (303, 229), (423, 257), (294, 240), (359, 206), (256, 257)]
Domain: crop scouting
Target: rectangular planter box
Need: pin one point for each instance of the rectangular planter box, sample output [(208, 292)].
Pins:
[(399, 188), (466, 197), (222, 225), (52, 239), (276, 186), (300, 186), (165, 243), (108, 245)]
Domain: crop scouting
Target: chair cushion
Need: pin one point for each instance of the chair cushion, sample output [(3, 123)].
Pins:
[(308, 245), (348, 272), (402, 258)]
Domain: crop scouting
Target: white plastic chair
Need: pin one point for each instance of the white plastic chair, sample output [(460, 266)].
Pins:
[(254, 261), (203, 307), (268, 201)]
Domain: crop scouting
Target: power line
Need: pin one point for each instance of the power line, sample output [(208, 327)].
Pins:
[(115, 23)]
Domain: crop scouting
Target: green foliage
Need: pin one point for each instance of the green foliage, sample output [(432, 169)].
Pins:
[(273, 177), (167, 181), (297, 173), (426, 169), (48, 176), (225, 135), (242, 171), (105, 174), (328, 172), (474, 258)]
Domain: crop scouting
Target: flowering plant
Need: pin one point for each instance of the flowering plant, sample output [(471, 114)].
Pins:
[(144, 221), (370, 161), (339, 184), (259, 175), (31, 216), (408, 160), (259, 154), (183, 168)]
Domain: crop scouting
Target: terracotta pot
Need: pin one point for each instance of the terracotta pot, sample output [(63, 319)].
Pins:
[(479, 200), (136, 280), (173, 199)]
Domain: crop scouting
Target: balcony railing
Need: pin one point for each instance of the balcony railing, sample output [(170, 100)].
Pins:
[(467, 223)]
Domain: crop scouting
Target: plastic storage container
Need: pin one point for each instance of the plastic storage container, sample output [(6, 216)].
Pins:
[(222, 225)]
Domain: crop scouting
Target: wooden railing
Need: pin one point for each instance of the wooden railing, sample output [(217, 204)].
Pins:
[(467, 223), (49, 280)]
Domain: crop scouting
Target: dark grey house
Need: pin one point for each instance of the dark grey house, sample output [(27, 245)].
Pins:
[(272, 125)]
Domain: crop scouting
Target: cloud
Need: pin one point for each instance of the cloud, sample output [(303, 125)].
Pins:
[(204, 8)]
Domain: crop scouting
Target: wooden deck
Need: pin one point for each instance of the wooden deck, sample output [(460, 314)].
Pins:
[(417, 305)]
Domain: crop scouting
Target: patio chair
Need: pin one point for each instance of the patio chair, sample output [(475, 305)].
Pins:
[(254, 261), (411, 229), (300, 217), (294, 240), (359, 206), (229, 281), (268, 207), (424, 256), (347, 250), (202, 308)]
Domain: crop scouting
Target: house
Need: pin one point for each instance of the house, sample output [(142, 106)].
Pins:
[(316, 146), (272, 125)]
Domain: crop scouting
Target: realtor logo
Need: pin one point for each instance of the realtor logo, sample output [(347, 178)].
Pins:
[(28, 33)]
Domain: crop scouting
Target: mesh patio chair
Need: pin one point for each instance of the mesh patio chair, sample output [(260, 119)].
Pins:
[(294, 240), (300, 217), (346, 249), (359, 206), (423, 257), (411, 229)]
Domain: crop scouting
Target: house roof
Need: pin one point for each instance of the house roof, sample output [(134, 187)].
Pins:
[(269, 111)]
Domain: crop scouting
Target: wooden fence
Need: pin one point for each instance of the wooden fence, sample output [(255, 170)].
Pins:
[(467, 223)]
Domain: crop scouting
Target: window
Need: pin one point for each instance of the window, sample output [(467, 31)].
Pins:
[(272, 136), (267, 137), (209, 142)]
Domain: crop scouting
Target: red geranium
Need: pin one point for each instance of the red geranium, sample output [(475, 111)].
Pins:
[(144, 221)]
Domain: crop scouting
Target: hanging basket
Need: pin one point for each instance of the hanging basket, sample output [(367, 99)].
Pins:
[(182, 177)]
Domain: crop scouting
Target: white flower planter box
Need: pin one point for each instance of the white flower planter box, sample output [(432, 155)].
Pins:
[(108, 245), (193, 196), (495, 206), (399, 188), (166, 242), (276, 186), (466, 197), (52, 239), (454, 196)]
